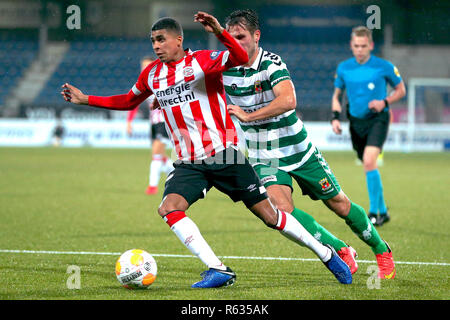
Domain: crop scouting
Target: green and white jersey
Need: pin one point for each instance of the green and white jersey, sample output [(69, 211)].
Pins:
[(280, 141)]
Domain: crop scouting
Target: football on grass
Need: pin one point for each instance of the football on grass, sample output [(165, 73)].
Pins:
[(136, 269)]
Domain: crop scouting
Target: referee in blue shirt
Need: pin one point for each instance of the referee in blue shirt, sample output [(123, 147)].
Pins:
[(365, 78)]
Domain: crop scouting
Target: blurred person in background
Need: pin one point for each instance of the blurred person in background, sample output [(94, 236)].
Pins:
[(58, 133), (365, 78), (160, 163)]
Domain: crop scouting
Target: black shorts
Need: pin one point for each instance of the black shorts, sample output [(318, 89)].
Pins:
[(159, 131), (369, 132), (229, 171)]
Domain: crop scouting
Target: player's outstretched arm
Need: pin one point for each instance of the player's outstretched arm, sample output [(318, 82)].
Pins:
[(127, 101), (138, 93)]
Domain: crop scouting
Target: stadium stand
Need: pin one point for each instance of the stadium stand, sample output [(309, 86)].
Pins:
[(312, 68), (108, 66), (16, 55)]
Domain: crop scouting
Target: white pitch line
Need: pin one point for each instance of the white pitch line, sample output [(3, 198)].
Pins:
[(191, 256)]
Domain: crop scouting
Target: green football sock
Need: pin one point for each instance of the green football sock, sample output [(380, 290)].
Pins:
[(318, 232), (360, 224)]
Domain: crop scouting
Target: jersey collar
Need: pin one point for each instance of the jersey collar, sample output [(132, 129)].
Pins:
[(257, 63), (365, 63)]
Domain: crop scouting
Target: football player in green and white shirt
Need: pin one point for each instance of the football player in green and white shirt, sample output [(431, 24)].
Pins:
[(263, 99)]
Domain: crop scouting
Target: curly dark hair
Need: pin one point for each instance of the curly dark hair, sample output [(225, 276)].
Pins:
[(246, 18)]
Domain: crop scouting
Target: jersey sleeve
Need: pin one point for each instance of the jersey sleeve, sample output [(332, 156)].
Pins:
[(339, 79), (392, 74), (137, 94), (276, 68), (213, 61)]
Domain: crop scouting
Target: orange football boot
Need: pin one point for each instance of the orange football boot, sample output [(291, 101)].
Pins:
[(348, 254), (386, 266)]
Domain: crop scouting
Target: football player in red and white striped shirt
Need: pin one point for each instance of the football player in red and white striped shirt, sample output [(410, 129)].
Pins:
[(189, 89)]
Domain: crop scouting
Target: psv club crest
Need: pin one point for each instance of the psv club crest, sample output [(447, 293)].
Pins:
[(188, 72)]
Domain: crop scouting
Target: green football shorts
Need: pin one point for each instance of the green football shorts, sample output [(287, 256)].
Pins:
[(314, 177)]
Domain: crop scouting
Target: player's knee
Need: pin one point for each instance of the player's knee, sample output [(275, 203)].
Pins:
[(369, 165), (172, 202), (340, 204), (162, 211), (370, 161), (165, 207)]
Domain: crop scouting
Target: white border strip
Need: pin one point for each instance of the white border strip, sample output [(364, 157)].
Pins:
[(224, 257)]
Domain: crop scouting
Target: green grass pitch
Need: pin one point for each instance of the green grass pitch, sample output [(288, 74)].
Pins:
[(93, 201)]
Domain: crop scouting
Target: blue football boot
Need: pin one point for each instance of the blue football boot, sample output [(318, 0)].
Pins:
[(214, 278), (338, 267)]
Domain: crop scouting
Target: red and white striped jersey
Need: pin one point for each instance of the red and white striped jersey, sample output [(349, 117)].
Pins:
[(191, 95)]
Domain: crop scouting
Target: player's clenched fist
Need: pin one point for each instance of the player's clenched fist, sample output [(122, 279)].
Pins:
[(73, 94)]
